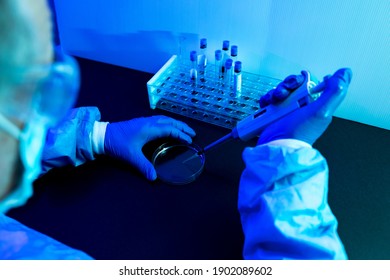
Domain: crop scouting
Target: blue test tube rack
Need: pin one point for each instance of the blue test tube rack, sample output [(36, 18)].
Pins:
[(207, 99)]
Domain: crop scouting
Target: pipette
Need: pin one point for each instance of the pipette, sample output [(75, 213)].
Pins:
[(252, 125)]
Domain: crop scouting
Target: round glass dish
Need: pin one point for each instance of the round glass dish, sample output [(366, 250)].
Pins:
[(178, 164)]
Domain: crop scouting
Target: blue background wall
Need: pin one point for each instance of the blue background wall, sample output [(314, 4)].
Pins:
[(275, 38)]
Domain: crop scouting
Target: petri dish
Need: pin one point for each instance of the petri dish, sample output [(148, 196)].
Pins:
[(178, 164)]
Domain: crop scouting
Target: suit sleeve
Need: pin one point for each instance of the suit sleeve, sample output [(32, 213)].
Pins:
[(283, 205), (71, 143)]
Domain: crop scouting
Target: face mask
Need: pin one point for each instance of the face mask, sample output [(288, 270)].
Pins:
[(32, 140), (53, 98)]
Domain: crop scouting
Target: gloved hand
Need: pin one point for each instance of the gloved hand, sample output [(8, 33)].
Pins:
[(308, 123), (124, 140)]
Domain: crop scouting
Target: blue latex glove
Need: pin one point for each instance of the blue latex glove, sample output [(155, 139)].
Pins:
[(124, 140), (308, 123)]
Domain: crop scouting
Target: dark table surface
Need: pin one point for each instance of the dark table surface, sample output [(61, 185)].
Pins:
[(107, 209)]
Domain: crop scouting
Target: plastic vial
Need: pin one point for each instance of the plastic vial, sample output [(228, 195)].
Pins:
[(225, 55), (194, 66), (202, 58), (228, 72), (218, 64), (237, 84), (233, 53)]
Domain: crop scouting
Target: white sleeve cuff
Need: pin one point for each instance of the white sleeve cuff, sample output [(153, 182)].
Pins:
[(98, 135), (291, 143)]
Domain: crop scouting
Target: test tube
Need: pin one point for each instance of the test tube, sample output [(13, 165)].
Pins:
[(228, 72), (233, 53), (194, 66), (202, 58), (218, 64), (237, 78), (225, 56)]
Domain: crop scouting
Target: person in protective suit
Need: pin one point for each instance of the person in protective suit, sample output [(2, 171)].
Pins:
[(282, 193)]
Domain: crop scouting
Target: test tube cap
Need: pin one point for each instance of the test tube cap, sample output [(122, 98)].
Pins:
[(229, 63), (225, 45), (218, 55), (203, 43), (234, 50), (193, 56), (237, 66)]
